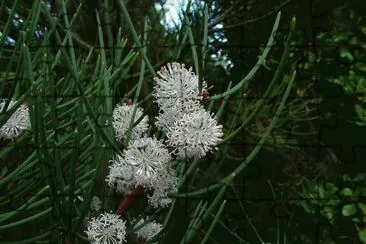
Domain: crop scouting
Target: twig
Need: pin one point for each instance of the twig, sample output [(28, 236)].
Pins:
[(122, 208)]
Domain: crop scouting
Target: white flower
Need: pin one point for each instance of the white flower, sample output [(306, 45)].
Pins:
[(166, 183), (177, 86), (121, 174), (17, 122), (176, 83), (166, 119), (149, 157), (142, 163), (176, 92), (149, 230), (121, 120), (194, 134), (106, 229)]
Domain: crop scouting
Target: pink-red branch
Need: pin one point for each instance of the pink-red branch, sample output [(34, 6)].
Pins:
[(125, 204)]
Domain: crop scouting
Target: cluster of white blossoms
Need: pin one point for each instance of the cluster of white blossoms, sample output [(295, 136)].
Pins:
[(166, 183), (149, 230), (106, 228), (17, 122), (145, 162), (176, 87), (194, 134), (190, 129), (109, 228), (176, 92), (122, 115), (191, 132)]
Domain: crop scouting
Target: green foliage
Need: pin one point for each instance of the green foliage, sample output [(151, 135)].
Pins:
[(338, 204), (71, 91), (348, 39)]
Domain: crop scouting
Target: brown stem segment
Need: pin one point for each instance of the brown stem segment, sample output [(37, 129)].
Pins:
[(122, 208), (129, 102)]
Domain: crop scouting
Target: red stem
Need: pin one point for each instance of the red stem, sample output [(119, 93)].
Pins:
[(122, 208)]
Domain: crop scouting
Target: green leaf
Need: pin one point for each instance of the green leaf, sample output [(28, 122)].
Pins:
[(362, 206), (347, 192), (362, 235), (340, 37), (356, 220), (306, 207), (363, 29), (331, 188), (345, 53), (354, 41), (321, 192), (361, 85), (349, 210), (361, 112), (328, 211), (361, 66), (346, 177)]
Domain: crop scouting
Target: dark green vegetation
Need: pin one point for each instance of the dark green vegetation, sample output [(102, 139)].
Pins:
[(297, 145)]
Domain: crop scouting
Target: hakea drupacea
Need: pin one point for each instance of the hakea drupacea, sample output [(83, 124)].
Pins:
[(122, 114), (106, 228), (148, 163), (17, 122), (148, 230)]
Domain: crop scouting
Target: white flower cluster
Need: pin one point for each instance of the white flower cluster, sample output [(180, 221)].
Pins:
[(122, 115), (176, 92), (149, 230), (109, 228), (191, 132), (17, 122), (145, 162), (166, 183), (106, 228), (190, 129), (194, 134)]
